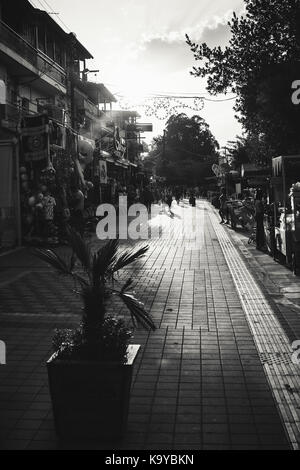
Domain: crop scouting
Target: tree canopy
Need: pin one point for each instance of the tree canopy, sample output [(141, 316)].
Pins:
[(186, 152), (259, 65)]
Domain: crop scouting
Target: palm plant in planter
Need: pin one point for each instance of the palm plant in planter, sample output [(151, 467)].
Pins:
[(90, 371)]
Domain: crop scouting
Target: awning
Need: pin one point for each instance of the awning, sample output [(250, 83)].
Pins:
[(277, 166), (122, 163), (110, 159), (249, 170), (104, 154), (289, 164)]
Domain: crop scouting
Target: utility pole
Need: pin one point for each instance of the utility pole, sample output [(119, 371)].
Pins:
[(164, 145), (164, 152), (226, 174)]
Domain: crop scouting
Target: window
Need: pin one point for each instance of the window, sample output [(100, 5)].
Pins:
[(2, 92), (50, 47), (25, 106), (42, 39)]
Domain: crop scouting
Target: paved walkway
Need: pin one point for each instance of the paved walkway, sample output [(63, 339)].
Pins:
[(202, 380)]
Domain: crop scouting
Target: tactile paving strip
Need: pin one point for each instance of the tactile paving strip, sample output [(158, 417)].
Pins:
[(271, 341), (275, 358)]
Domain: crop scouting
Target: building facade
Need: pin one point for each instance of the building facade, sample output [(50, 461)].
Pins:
[(58, 130)]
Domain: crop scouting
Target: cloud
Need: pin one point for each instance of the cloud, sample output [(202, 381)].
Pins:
[(216, 36), (214, 26), (164, 55), (168, 52)]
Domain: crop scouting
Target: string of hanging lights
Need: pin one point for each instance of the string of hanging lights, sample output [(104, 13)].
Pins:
[(163, 106)]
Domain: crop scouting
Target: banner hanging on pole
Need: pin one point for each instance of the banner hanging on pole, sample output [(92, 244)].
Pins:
[(103, 172)]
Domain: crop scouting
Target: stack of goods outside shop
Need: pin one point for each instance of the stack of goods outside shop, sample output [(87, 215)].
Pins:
[(243, 188), (51, 169), (285, 230)]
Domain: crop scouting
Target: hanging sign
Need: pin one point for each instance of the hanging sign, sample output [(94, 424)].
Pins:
[(216, 169), (103, 172), (35, 138)]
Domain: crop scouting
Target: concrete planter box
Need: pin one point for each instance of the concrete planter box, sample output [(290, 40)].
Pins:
[(90, 399)]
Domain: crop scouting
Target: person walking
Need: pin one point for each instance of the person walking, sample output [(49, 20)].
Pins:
[(222, 204), (77, 210), (259, 219), (192, 200), (169, 201), (177, 195), (148, 198)]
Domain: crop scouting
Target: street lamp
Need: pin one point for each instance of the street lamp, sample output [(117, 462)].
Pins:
[(86, 71)]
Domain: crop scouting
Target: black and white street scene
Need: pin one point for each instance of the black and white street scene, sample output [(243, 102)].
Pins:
[(150, 227)]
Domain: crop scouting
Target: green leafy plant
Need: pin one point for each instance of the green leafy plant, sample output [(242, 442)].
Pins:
[(99, 336)]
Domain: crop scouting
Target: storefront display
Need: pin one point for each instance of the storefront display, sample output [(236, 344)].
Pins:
[(295, 206), (286, 203), (241, 212), (48, 155), (269, 229)]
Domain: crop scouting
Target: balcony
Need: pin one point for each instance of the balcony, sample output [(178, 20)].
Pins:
[(53, 112), (86, 107), (23, 52), (10, 115), (90, 108)]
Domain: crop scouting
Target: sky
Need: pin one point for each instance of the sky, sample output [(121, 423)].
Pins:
[(139, 48)]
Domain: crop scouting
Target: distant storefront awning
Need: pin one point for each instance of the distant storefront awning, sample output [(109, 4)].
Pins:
[(288, 165), (104, 154), (121, 163), (277, 166), (249, 170), (110, 159)]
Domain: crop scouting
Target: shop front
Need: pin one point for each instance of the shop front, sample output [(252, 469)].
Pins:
[(48, 170), (10, 226), (285, 184)]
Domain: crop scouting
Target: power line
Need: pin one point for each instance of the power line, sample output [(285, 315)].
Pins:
[(225, 99), (174, 95), (58, 17), (183, 97), (45, 6)]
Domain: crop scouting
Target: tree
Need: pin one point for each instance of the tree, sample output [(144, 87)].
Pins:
[(259, 65), (190, 138), (249, 149), (186, 152)]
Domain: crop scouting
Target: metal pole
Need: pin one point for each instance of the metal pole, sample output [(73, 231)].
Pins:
[(19, 227), (100, 190), (164, 145)]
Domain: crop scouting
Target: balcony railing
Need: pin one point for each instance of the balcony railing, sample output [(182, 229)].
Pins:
[(25, 50), (11, 114), (90, 107)]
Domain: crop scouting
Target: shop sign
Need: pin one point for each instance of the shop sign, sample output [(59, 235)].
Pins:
[(256, 181), (144, 127), (216, 169), (103, 172), (35, 138), (238, 188), (2, 353)]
